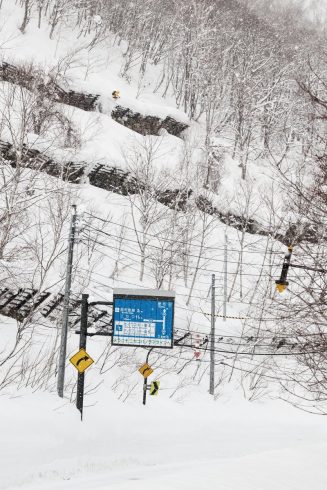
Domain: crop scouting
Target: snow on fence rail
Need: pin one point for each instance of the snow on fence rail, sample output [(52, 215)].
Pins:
[(145, 124), (116, 180), (35, 80), (22, 303)]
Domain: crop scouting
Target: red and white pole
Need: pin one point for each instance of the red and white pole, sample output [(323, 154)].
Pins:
[(197, 343)]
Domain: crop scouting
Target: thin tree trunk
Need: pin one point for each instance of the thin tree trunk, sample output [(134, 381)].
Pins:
[(26, 16)]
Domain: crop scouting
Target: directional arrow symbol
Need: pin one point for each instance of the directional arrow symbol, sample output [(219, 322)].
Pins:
[(154, 388), (146, 370), (85, 358)]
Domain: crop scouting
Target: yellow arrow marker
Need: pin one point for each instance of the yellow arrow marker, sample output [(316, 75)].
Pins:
[(81, 360), (154, 388), (146, 370)]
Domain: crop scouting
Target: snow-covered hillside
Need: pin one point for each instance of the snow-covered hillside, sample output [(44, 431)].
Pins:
[(209, 162)]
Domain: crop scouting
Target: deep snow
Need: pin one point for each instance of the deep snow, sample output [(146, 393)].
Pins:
[(226, 444)]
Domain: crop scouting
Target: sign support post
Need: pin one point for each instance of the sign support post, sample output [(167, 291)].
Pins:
[(145, 387), (82, 345), (145, 382)]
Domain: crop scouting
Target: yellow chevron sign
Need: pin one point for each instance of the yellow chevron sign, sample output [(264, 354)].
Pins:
[(154, 388)]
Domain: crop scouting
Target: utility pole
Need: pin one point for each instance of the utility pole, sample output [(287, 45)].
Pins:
[(65, 315), (82, 345), (212, 337), (225, 278)]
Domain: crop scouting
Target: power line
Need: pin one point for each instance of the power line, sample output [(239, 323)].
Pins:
[(179, 293), (203, 247), (253, 354), (261, 318), (253, 337), (189, 266), (174, 251), (179, 306), (177, 241), (275, 319), (171, 262), (182, 307), (243, 353)]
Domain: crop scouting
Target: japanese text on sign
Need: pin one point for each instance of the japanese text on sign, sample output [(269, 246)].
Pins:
[(143, 321)]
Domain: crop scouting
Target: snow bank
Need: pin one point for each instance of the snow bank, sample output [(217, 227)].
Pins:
[(227, 445)]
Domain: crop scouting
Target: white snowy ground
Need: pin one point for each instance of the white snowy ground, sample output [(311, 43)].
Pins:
[(199, 443)]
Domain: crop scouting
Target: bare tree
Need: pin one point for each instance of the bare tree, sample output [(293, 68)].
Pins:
[(145, 209)]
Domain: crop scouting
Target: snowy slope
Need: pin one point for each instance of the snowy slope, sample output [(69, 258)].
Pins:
[(105, 141), (182, 438)]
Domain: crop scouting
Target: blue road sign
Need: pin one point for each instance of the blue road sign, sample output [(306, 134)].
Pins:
[(143, 318)]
